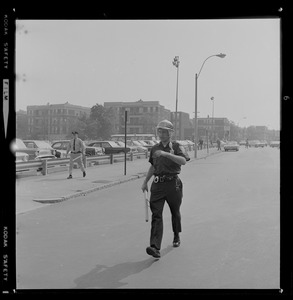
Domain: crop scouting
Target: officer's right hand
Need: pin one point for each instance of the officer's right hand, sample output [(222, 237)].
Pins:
[(144, 187)]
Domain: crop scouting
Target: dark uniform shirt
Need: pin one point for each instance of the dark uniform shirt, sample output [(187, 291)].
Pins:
[(163, 165)]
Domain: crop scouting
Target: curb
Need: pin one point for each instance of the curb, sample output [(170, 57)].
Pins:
[(85, 192), (105, 186)]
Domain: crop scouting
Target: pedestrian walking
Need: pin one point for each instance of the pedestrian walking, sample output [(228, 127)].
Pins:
[(219, 144), (166, 159), (246, 144), (76, 148), (200, 143)]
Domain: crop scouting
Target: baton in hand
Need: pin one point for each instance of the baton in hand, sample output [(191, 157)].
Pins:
[(77, 158), (146, 205)]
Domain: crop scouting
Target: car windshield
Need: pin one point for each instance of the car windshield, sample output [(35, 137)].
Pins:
[(39, 144), (120, 143), (42, 144), (232, 143), (19, 144), (113, 144), (136, 143)]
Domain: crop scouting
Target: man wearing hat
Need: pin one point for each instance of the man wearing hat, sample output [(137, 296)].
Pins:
[(77, 150), (166, 159)]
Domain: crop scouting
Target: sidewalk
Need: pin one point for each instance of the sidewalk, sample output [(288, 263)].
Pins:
[(35, 191)]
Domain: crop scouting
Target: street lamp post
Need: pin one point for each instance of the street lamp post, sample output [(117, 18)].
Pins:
[(221, 55), (213, 121), (176, 64)]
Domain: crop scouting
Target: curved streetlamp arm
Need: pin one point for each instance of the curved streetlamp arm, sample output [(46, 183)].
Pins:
[(221, 55), (203, 64)]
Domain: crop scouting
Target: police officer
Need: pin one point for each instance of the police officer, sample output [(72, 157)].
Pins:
[(166, 159), (77, 150)]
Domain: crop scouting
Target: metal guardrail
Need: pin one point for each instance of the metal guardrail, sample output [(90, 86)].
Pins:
[(44, 166)]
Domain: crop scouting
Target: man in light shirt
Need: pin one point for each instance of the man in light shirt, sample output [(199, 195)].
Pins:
[(76, 148)]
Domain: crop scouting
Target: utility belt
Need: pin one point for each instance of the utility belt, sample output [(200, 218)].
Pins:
[(76, 152), (164, 178)]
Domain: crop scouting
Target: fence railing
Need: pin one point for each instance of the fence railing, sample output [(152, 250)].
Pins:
[(61, 164)]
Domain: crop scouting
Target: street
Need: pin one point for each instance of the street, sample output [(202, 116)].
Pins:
[(230, 232)]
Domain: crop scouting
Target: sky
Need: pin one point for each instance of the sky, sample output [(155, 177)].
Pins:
[(88, 62)]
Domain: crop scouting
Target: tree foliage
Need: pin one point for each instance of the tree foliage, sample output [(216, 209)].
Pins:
[(95, 127)]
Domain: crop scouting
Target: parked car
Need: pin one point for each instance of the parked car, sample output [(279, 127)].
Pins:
[(61, 149), (275, 144), (138, 145), (133, 149), (110, 147), (242, 143), (259, 144), (98, 150), (18, 146), (144, 144), (33, 152), (231, 145), (19, 156), (253, 143), (42, 147), (190, 144)]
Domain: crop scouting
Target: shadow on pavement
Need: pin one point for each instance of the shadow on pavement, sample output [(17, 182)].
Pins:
[(110, 277)]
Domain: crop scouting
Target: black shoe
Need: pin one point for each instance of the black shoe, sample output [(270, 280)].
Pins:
[(69, 177), (153, 252), (176, 240), (84, 174)]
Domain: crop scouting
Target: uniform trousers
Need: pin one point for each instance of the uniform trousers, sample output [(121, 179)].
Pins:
[(170, 191), (78, 158)]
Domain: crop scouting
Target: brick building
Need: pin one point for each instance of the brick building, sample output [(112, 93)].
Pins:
[(53, 121), (143, 116), (214, 127)]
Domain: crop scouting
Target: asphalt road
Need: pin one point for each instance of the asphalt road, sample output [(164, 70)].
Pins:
[(230, 237)]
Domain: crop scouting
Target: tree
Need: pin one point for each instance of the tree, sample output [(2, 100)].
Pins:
[(78, 125), (100, 124)]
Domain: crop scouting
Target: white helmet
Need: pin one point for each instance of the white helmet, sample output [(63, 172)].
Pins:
[(165, 124)]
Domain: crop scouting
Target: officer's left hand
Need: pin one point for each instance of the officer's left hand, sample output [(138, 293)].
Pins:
[(159, 153)]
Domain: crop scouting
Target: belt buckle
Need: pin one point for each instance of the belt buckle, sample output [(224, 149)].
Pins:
[(156, 180)]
